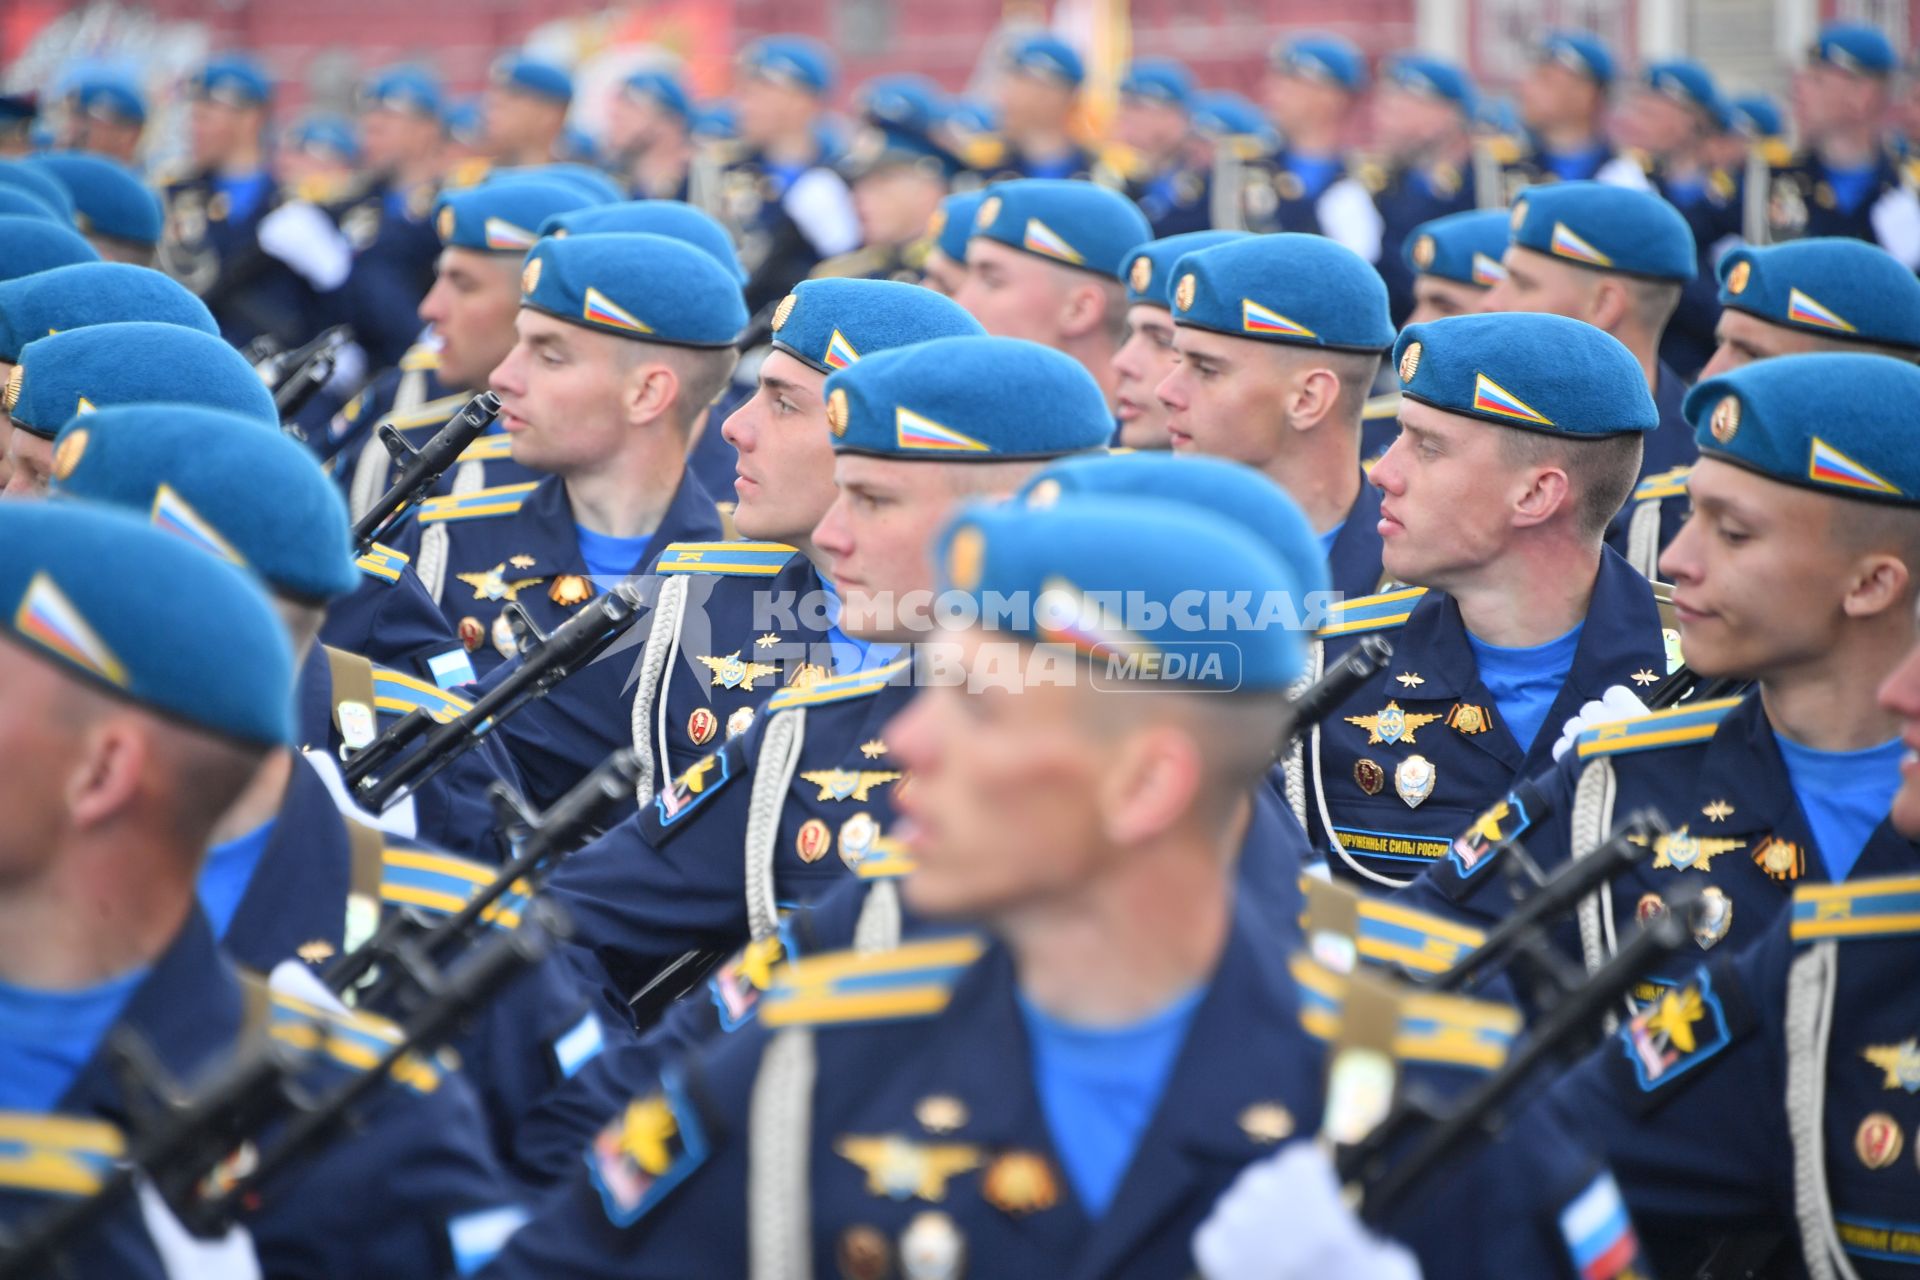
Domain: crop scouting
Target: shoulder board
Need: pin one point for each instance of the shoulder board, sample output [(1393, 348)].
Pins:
[(915, 980), (420, 356), (501, 500), (1381, 407), (751, 559), (1882, 908), (888, 860), (859, 263), (57, 1155), (1383, 612), (444, 884), (1440, 1030), (433, 413), (1506, 149), (1682, 726), (1777, 153), (1665, 484), (398, 693), (488, 448), (383, 562), (838, 688), (1423, 943), (354, 1040)]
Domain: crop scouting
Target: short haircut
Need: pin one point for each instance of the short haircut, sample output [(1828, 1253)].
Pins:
[(703, 373), (1356, 371), (1861, 526), (1602, 471), (1654, 302)]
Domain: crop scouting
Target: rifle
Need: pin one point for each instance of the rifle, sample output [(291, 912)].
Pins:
[(420, 468), (1336, 684), (553, 657), (295, 376)]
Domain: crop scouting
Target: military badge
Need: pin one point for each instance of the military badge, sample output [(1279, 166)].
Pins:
[(857, 837), (1369, 776), (1019, 1183), (1681, 1028), (899, 1169), (570, 589), (1716, 811), (1391, 725), (806, 675), (1413, 780), (357, 725), (1266, 1123), (644, 1153), (848, 784), (530, 277), (1651, 907), (1683, 851), (940, 1113), (1142, 274), (1878, 1141), (1900, 1062), (863, 1252), (493, 585), (503, 637), (67, 455), (1712, 917), (1644, 677), (1423, 250), (444, 224), (740, 721), (989, 210), (873, 748), (837, 418), (1468, 719), (1493, 828), (472, 634), (1184, 291), (693, 788), (702, 725), (812, 840), (768, 640), (1780, 859), (784, 311), (931, 1248), (737, 984), (1725, 422), (731, 672), (319, 951), (1410, 362), (1408, 680), (1738, 276)]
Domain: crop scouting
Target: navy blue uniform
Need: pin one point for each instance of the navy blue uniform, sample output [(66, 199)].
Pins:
[(395, 248), (1667, 454), (390, 619), (1407, 763), (1713, 210), (1801, 202), (1406, 198), (54, 1159), (775, 251), (1276, 197), (1692, 1098), (213, 248)]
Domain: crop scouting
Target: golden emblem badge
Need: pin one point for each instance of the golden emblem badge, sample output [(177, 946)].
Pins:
[(837, 411), (965, 556), (1780, 859), (702, 725), (1726, 419), (11, 397), (1369, 776), (67, 456), (445, 224), (530, 276), (1184, 291), (1423, 250), (1019, 1183), (1737, 277), (1410, 362), (570, 589), (989, 210), (782, 312), (1878, 1140), (940, 1113), (1468, 718), (1142, 274)]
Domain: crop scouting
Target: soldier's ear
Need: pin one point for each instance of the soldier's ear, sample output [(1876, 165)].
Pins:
[(1611, 306), (1155, 778), (1876, 583), (650, 392)]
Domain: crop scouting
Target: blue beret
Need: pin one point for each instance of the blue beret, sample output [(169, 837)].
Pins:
[(910, 102), (1840, 288), (719, 120), (1133, 578), (1046, 55), (36, 243), (829, 324), (109, 198), (83, 370), (91, 293), (952, 223), (1686, 82), (325, 135), (1160, 79), (1148, 270), (229, 484), (130, 610), (1498, 113), (534, 76), (1076, 224), (1855, 47), (1606, 228), (971, 115), (465, 121), (1462, 247), (1431, 77), (411, 89), (660, 88), (577, 146), (1224, 113), (584, 178), (795, 61), (1318, 56), (232, 80), (1758, 116), (635, 285), (967, 400), (39, 184), (675, 218), (1539, 372), (1836, 422), (1300, 289), (1581, 53), (19, 203), (109, 95), (503, 215), (1227, 489)]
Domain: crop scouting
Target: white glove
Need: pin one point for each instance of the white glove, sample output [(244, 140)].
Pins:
[(186, 1256), (1617, 703), (304, 238), (349, 371), (1283, 1219)]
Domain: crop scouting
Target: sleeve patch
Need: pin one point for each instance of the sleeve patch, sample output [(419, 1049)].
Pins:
[(647, 1151)]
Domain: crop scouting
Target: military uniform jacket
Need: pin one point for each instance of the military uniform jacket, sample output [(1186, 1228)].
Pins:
[(318, 892), (1273, 197), (218, 256), (414, 401), (518, 542), (1801, 202), (390, 619), (1175, 200), (1407, 197), (1714, 771), (1715, 218), (402, 1195), (452, 809), (674, 876), (1396, 772), (1668, 455), (1715, 1101), (741, 635), (773, 248), (395, 248)]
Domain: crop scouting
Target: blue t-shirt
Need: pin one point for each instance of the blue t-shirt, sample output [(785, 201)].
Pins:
[(227, 873), (1099, 1086), (1849, 186), (1316, 173), (851, 655), (47, 1036), (1524, 682), (243, 194), (608, 557), (1326, 539), (1576, 166), (1844, 794)]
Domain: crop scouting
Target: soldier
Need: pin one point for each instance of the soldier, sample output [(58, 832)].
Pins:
[(1313, 85), (1278, 340), (1517, 614), (1043, 263), (945, 268), (524, 110), (121, 214), (106, 114), (1148, 355), (650, 135), (781, 197), (917, 430), (1797, 496), (1454, 261), (1619, 260), (1844, 181), (17, 114), (144, 683), (1154, 155), (1563, 106), (1423, 114), (1038, 88), (898, 175)]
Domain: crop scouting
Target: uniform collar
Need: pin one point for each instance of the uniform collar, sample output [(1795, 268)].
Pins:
[(554, 544), (299, 891), (1354, 558)]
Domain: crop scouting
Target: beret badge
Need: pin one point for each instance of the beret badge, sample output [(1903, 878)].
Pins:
[(1726, 417)]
